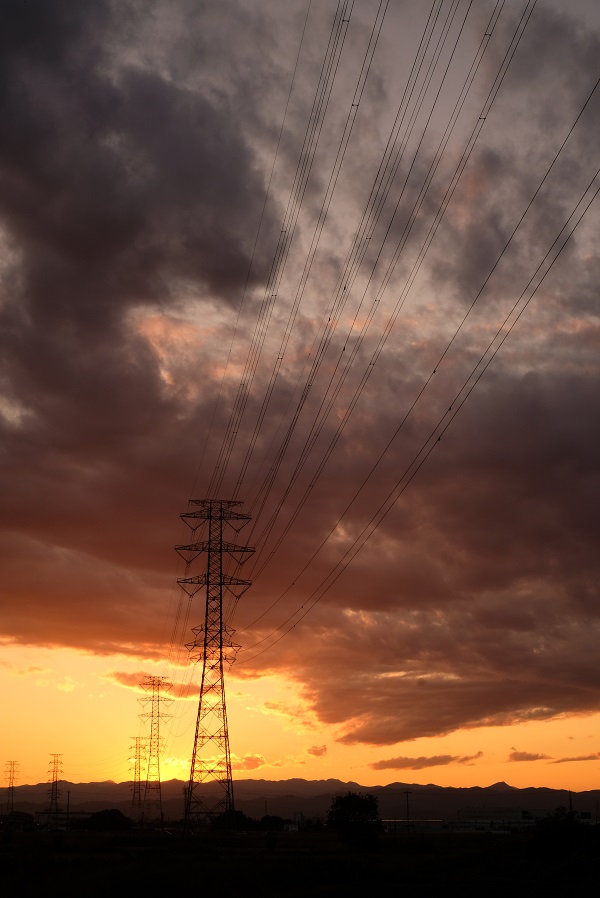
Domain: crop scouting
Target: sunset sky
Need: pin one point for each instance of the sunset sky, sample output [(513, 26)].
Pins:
[(338, 262)]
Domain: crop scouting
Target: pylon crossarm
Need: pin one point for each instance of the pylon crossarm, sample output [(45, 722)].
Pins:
[(203, 580), (187, 552), (238, 592), (204, 546), (190, 585)]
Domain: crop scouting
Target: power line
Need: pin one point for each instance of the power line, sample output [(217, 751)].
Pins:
[(369, 367), (345, 282), (333, 179), (485, 360), (303, 170), (253, 254)]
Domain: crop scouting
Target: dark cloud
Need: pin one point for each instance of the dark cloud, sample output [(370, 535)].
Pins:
[(132, 179), (176, 689), (317, 751), (422, 763), (492, 618), (123, 192), (527, 756), (133, 680), (593, 757)]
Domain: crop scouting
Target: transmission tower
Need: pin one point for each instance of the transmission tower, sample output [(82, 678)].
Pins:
[(54, 770), (152, 804), (139, 759), (210, 789), (12, 771)]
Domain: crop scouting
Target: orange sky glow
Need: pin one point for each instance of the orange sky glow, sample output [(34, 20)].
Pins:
[(77, 709)]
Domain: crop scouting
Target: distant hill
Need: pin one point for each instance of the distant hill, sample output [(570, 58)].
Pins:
[(312, 798)]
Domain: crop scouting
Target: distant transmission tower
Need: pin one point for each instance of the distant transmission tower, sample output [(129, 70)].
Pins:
[(54, 792), (12, 772), (210, 788), (139, 758), (152, 804)]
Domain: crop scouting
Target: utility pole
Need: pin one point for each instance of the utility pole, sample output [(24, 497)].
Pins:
[(407, 793), (12, 771), (210, 789), (139, 759), (155, 686), (54, 792)]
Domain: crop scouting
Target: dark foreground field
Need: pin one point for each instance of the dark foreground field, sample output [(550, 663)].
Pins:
[(292, 864)]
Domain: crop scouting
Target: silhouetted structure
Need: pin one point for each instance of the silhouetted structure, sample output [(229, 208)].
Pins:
[(213, 645), (139, 759), (12, 770), (54, 792), (152, 804), (408, 793), (355, 818)]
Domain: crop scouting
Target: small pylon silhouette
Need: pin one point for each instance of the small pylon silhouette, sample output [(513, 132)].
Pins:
[(139, 761), (54, 792), (152, 802), (12, 771)]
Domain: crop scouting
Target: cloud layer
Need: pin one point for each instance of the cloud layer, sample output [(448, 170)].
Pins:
[(422, 763), (137, 242)]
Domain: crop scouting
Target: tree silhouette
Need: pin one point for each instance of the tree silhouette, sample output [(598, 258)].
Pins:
[(355, 818), (110, 820), (233, 821)]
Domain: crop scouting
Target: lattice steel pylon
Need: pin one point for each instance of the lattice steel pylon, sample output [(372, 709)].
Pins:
[(54, 791), (11, 773), (139, 759), (209, 793), (152, 803)]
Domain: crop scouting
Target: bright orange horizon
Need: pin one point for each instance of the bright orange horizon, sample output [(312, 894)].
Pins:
[(80, 711)]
